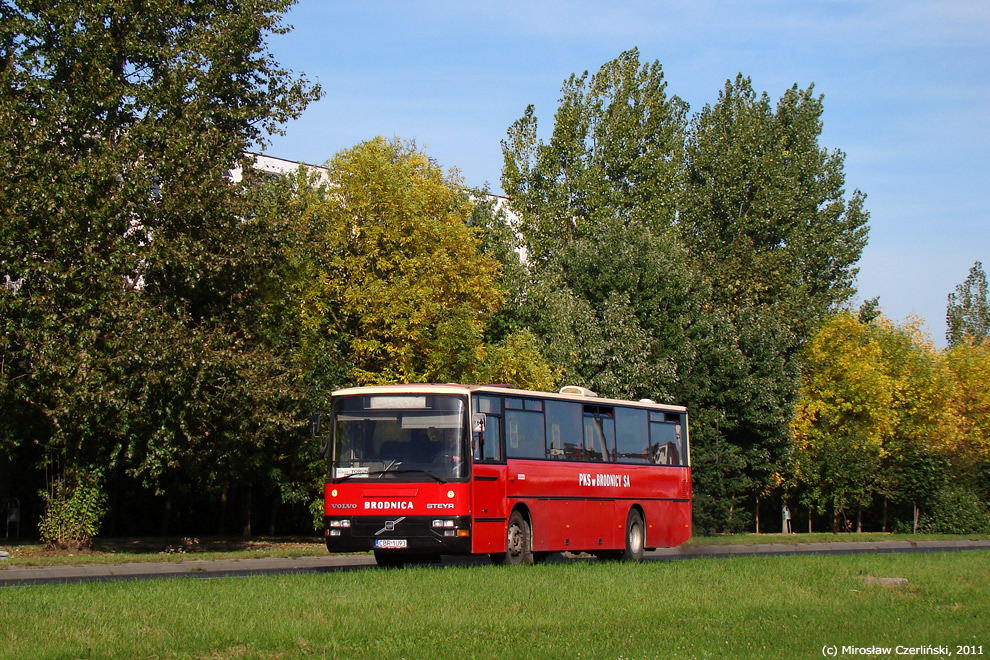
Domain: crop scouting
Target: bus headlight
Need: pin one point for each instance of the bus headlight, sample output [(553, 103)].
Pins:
[(444, 524)]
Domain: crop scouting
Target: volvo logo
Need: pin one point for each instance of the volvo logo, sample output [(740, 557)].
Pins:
[(390, 525), (343, 506)]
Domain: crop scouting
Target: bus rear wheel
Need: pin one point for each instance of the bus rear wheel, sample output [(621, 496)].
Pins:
[(635, 537), (518, 542)]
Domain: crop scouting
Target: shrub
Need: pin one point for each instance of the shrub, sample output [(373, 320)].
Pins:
[(74, 507), (956, 510)]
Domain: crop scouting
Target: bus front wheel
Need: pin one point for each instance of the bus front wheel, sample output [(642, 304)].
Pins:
[(518, 542)]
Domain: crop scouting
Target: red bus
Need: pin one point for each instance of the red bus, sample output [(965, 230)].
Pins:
[(416, 471)]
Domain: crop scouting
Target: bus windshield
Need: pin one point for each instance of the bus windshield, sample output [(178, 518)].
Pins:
[(405, 437)]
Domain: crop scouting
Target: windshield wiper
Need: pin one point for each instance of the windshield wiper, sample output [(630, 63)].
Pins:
[(426, 472), (348, 476), (381, 473)]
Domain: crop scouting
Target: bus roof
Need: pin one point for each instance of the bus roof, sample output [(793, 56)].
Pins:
[(458, 389)]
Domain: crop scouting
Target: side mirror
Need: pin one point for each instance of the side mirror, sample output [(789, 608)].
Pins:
[(480, 421), (314, 425)]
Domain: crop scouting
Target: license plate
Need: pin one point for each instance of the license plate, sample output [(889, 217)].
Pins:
[(391, 543)]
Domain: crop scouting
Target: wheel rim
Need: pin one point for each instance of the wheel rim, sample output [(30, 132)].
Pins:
[(515, 543), (636, 537)]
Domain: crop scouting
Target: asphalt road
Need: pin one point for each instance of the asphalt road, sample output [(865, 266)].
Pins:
[(203, 569)]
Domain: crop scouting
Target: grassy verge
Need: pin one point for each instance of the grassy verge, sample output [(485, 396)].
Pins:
[(758, 607), (797, 539), (117, 551)]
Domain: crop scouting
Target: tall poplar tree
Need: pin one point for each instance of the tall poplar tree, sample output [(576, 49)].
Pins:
[(967, 315), (765, 212), (685, 260)]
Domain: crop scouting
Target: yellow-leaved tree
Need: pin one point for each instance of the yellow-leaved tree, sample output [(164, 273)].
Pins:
[(842, 418), (970, 448), (397, 282)]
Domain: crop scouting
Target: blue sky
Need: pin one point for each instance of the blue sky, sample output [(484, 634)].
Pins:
[(906, 87)]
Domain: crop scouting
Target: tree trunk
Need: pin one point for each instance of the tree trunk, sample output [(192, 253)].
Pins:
[(246, 527), (917, 514), (885, 514), (271, 524), (167, 513), (222, 523), (757, 514), (859, 519)]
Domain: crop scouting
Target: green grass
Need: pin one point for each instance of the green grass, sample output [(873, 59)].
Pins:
[(821, 537), (758, 607), (118, 551)]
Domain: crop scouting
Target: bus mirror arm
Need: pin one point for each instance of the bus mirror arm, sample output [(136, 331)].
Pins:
[(315, 424)]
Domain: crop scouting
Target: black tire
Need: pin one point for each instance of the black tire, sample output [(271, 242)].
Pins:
[(635, 537), (518, 542)]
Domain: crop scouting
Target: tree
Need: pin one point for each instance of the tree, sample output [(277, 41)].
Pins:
[(613, 158), (967, 316), (843, 417), (130, 269), (764, 212), (969, 451), (397, 268), (626, 289), (915, 468)]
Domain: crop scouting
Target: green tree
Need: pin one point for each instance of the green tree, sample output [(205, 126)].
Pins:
[(622, 289), (613, 158), (130, 271), (967, 316), (595, 204), (764, 212)]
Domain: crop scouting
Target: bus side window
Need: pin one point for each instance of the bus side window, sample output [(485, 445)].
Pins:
[(632, 432), (565, 434), (665, 442), (599, 434), (525, 434)]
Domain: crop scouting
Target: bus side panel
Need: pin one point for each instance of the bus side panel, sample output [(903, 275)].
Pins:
[(608, 530), (670, 526), (556, 523), (584, 506)]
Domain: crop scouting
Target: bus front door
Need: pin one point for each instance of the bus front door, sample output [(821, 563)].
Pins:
[(488, 508)]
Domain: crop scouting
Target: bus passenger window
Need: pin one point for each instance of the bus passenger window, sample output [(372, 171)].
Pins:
[(632, 435), (599, 434), (665, 443), (565, 434), (525, 434)]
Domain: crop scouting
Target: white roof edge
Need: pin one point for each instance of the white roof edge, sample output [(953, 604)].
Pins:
[(455, 388)]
